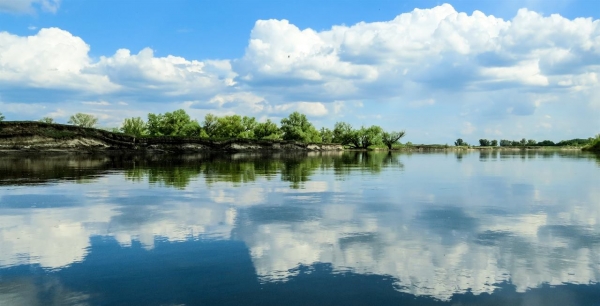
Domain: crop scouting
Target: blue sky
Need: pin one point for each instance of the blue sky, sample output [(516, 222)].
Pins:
[(439, 70)]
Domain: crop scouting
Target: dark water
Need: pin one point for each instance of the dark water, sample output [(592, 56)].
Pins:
[(497, 228)]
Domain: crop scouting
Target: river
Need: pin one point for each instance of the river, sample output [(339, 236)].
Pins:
[(342, 228)]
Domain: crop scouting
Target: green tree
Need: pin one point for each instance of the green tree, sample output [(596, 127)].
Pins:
[(459, 142), (494, 143), (177, 123), (546, 143), (83, 120), (234, 127), (369, 136), (326, 135), (1, 117), (297, 127), (267, 130), (210, 124), (531, 142), (484, 142), (523, 142), (134, 126), (505, 143), (343, 133), (47, 120), (389, 139)]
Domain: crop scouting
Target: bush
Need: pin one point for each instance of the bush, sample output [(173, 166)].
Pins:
[(47, 120), (134, 126), (83, 120), (460, 143)]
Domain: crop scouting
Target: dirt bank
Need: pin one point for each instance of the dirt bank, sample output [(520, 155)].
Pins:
[(28, 136)]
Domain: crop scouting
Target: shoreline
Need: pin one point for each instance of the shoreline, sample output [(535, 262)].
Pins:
[(31, 137), (28, 136)]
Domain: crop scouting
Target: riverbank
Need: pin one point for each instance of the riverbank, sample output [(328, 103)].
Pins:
[(442, 148), (41, 138), (29, 136)]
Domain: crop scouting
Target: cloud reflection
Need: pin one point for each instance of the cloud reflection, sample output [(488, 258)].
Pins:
[(435, 229)]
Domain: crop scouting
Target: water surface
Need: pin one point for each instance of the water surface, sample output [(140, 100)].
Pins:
[(481, 228)]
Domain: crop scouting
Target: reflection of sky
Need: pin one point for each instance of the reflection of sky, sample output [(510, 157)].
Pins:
[(438, 227)]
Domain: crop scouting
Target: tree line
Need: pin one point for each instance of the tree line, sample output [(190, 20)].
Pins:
[(578, 142), (295, 127)]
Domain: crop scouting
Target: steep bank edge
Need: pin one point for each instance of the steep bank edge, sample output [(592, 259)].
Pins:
[(39, 136)]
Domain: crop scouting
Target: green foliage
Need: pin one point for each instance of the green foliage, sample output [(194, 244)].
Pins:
[(494, 143), (177, 123), (484, 142), (594, 145), (505, 143), (367, 137), (326, 135), (234, 127), (576, 142), (460, 143), (210, 124), (391, 138), (192, 129), (267, 130), (83, 120), (523, 142), (134, 126), (546, 143), (203, 134), (343, 133), (531, 142), (364, 137), (297, 127), (47, 120), (1, 117)]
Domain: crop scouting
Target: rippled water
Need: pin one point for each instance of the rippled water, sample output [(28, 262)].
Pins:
[(481, 228)]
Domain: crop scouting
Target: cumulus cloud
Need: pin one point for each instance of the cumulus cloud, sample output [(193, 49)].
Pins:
[(428, 61), (28, 6), (172, 76), (433, 47), (52, 59)]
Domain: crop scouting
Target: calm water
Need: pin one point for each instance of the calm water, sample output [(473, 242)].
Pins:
[(497, 228)]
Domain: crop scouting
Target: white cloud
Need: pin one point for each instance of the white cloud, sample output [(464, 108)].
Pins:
[(449, 61), (97, 103), (245, 100), (52, 59), (315, 109), (28, 6), (172, 76), (312, 108)]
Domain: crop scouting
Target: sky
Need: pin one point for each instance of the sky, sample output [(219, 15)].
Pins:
[(438, 70)]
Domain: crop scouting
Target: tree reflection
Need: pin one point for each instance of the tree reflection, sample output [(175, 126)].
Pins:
[(298, 170), (32, 170), (178, 171)]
